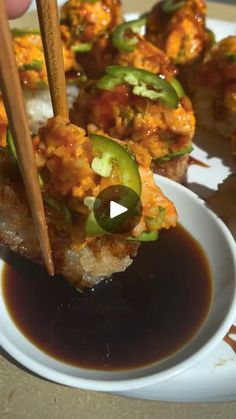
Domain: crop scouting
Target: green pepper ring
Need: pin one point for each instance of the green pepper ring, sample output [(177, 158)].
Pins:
[(178, 87), (83, 47), (35, 65), (89, 1), (146, 237), (170, 6), (145, 84), (125, 161), (119, 38), (110, 151), (10, 145), (179, 153), (22, 32)]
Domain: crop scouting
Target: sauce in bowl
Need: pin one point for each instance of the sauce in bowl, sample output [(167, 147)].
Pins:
[(138, 317)]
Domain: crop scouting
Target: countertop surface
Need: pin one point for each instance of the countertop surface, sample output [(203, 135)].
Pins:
[(23, 395)]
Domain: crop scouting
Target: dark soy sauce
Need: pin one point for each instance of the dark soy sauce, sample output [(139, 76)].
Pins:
[(139, 317)]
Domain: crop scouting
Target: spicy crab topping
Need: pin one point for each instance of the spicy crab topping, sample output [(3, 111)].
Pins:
[(162, 125), (82, 22), (86, 27), (65, 154), (147, 57), (135, 51), (30, 58), (178, 27), (215, 95)]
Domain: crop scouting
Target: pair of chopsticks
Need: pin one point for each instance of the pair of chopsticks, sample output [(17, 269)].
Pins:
[(14, 103)]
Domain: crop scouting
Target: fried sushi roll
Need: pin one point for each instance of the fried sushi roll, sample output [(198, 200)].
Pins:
[(73, 170), (86, 27), (144, 109), (133, 50), (215, 95), (30, 60), (178, 27)]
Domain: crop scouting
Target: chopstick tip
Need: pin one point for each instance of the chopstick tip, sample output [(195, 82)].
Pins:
[(50, 268)]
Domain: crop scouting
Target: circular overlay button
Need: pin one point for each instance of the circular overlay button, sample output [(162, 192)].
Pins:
[(118, 209)]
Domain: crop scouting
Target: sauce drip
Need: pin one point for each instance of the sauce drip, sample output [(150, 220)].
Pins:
[(193, 160), (230, 341), (140, 316)]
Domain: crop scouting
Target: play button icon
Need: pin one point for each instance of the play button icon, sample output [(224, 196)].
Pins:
[(117, 209)]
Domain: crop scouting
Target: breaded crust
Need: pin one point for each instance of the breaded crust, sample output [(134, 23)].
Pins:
[(175, 169)]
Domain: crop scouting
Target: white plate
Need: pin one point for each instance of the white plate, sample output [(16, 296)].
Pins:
[(212, 379)]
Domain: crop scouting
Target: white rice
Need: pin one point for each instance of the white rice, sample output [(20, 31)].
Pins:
[(39, 107)]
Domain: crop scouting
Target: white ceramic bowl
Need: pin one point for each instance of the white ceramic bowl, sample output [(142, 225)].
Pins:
[(220, 248)]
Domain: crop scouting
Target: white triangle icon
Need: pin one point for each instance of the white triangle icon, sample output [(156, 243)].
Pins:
[(116, 209)]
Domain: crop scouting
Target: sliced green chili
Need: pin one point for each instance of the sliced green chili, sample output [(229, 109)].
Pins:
[(41, 181), (179, 153), (35, 65), (22, 32), (11, 145), (92, 228), (170, 6), (109, 152), (146, 237), (42, 84), (122, 37), (154, 223), (83, 47), (107, 155), (89, 1), (82, 78), (57, 206), (178, 87), (108, 82), (212, 37), (145, 84), (53, 202)]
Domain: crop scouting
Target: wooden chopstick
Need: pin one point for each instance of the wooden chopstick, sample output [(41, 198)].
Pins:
[(51, 37), (14, 103)]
